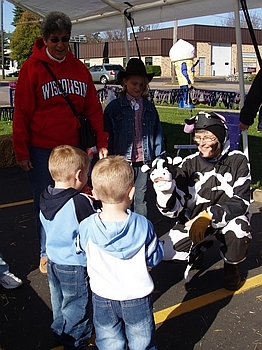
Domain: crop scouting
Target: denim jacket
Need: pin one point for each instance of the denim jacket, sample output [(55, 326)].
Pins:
[(119, 121)]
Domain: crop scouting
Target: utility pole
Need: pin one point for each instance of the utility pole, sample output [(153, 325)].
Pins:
[(2, 40), (174, 41)]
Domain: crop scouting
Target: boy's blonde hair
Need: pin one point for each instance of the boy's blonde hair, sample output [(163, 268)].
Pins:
[(112, 177), (65, 161)]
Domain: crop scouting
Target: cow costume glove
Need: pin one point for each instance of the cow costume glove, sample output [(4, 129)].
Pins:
[(199, 226)]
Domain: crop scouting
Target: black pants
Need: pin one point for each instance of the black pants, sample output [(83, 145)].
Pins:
[(259, 124)]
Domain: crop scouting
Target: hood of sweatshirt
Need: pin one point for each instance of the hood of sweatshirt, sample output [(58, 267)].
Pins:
[(52, 200), (122, 239), (39, 52)]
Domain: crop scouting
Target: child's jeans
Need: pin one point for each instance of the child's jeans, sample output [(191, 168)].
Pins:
[(119, 324), (140, 205), (71, 304)]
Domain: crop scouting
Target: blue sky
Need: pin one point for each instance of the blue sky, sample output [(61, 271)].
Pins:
[(208, 20), (8, 16)]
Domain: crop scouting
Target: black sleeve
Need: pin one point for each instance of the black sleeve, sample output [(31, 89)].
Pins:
[(83, 207), (253, 101)]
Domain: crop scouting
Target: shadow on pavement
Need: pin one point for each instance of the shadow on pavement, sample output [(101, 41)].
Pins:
[(25, 312)]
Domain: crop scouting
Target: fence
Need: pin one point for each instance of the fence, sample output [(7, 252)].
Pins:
[(229, 100)]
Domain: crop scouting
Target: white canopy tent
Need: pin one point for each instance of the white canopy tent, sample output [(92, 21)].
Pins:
[(89, 16)]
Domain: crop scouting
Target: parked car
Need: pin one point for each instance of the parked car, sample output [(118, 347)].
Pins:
[(105, 73)]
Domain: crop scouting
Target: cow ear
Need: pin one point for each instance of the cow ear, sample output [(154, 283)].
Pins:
[(177, 160), (145, 168), (154, 162)]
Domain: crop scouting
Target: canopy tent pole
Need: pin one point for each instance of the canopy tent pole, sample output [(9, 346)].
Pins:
[(2, 38), (131, 20), (240, 70), (124, 21)]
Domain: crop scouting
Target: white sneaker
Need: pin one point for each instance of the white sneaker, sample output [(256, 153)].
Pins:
[(10, 281)]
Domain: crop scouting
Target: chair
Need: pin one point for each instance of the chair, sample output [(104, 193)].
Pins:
[(185, 147), (232, 122)]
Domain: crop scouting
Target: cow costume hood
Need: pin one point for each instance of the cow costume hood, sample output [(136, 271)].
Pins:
[(213, 122)]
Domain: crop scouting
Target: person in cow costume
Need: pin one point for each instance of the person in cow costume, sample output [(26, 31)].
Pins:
[(209, 194)]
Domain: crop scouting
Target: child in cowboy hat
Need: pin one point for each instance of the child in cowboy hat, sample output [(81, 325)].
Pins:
[(134, 127)]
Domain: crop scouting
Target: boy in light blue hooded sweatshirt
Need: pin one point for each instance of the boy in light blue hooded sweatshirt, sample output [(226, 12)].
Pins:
[(120, 246)]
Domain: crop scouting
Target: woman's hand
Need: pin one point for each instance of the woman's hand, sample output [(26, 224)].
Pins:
[(25, 164), (243, 126), (102, 152)]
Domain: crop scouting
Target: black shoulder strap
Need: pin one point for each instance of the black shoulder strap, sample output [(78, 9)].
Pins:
[(64, 94)]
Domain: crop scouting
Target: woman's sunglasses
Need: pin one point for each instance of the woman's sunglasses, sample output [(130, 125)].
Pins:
[(64, 39)]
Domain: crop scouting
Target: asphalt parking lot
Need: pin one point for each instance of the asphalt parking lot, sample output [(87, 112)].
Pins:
[(201, 315)]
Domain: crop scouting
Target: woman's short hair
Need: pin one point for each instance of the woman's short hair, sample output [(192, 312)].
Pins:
[(65, 161), (112, 177), (55, 22)]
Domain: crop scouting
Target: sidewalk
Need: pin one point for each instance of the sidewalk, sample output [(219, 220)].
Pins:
[(208, 83)]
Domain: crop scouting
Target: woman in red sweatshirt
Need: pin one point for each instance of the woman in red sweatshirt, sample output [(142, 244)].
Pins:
[(43, 118)]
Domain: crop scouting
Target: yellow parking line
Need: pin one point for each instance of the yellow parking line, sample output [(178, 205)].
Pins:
[(203, 300), (14, 204)]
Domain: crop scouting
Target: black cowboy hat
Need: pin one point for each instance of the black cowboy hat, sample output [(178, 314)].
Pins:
[(134, 67)]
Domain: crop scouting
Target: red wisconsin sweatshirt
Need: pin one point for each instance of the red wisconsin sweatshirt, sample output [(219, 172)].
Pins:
[(42, 116)]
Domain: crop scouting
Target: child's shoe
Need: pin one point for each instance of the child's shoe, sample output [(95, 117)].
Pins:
[(10, 281)]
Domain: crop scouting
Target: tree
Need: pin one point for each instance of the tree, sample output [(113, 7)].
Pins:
[(229, 21), (17, 11), (93, 38), (26, 32), (114, 35)]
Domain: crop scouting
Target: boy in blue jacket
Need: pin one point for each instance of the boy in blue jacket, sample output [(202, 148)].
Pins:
[(120, 246), (63, 207)]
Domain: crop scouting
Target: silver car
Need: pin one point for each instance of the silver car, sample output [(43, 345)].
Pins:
[(105, 73)]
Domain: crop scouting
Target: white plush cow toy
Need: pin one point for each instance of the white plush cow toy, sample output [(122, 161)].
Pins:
[(162, 174), (170, 201)]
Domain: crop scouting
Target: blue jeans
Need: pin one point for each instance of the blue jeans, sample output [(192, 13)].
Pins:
[(39, 178), (71, 304), (140, 205), (119, 324)]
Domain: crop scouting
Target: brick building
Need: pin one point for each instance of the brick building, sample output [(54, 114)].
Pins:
[(215, 47)]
